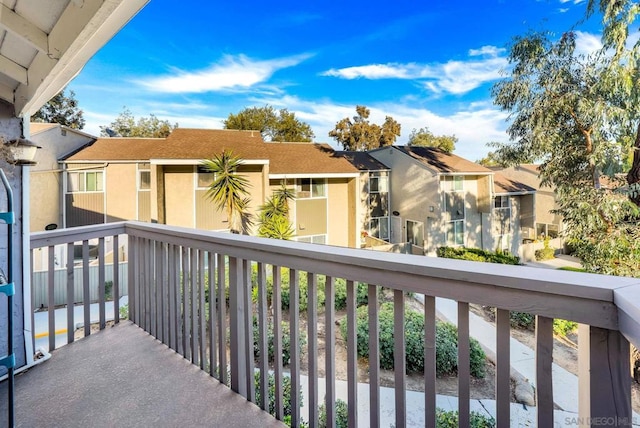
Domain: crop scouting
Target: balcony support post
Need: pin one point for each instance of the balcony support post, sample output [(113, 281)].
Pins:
[(236, 328), (604, 378)]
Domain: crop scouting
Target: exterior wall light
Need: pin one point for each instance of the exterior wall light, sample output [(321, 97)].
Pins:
[(22, 151)]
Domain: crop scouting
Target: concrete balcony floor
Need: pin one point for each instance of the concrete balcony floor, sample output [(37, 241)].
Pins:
[(123, 377)]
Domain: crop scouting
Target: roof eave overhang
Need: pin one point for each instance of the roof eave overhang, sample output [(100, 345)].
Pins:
[(98, 22)]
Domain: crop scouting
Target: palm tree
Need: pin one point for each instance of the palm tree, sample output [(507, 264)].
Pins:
[(274, 215), (228, 190)]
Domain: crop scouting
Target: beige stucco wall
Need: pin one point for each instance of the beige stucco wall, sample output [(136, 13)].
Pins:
[(46, 175), (413, 190), (122, 193), (179, 195), (339, 219)]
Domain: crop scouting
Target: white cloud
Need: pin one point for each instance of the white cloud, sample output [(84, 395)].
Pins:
[(232, 72), (474, 126), (374, 71), (454, 77), (587, 43)]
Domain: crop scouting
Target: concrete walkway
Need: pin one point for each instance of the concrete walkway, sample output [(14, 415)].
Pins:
[(41, 322)]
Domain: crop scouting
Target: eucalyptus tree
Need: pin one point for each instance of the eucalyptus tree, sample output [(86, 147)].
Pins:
[(273, 125), (359, 134), (425, 138), (229, 190), (578, 115)]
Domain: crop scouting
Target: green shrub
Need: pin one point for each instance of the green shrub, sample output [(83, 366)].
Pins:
[(572, 269), (340, 290), (342, 415), (362, 294), (546, 253), (124, 312), (286, 393), (563, 327), (446, 342), (286, 342), (108, 290), (449, 419), (477, 255)]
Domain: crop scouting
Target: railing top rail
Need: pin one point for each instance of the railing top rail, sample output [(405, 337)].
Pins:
[(75, 234), (599, 300), (586, 298)]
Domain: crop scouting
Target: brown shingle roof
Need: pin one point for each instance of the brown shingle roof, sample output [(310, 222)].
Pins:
[(503, 184), (36, 127), (284, 158), (363, 161), (442, 161)]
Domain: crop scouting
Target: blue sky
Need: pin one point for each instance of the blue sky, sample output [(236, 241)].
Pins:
[(426, 63)]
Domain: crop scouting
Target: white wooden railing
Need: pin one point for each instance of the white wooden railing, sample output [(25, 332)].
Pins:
[(170, 269)]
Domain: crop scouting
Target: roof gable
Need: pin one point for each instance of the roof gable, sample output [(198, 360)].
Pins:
[(196, 144), (441, 161)]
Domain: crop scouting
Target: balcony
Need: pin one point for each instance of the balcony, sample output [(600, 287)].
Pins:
[(200, 314)]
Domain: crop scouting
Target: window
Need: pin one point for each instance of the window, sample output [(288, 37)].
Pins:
[(502, 221), (313, 239), (455, 209), (311, 188), (205, 177), (544, 230), (85, 181), (415, 233), (144, 180), (379, 205), (379, 228)]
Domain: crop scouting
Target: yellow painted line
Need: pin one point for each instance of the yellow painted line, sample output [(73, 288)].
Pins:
[(46, 333)]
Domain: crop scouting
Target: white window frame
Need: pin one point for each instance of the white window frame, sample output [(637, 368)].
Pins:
[(384, 178), (83, 174), (312, 182), (450, 185), (197, 173), (143, 168), (420, 224), (502, 204), (311, 238)]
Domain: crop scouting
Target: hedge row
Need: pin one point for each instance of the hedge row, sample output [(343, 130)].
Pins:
[(477, 255)]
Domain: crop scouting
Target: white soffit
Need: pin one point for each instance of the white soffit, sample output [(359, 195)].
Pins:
[(45, 43)]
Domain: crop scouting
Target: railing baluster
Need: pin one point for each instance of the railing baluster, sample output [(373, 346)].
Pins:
[(503, 368), (152, 286), (464, 367), (194, 305), (115, 291), (262, 338), (177, 298), (312, 349), (213, 313), (101, 286), (374, 357), (132, 285), (186, 309), (352, 356), (51, 304), (143, 284), (164, 286), (329, 348), (158, 290), (399, 359), (248, 331), (222, 318), (202, 311), (236, 327), (171, 295), (277, 341), (86, 300), (71, 301), (430, 361), (544, 375), (294, 349)]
